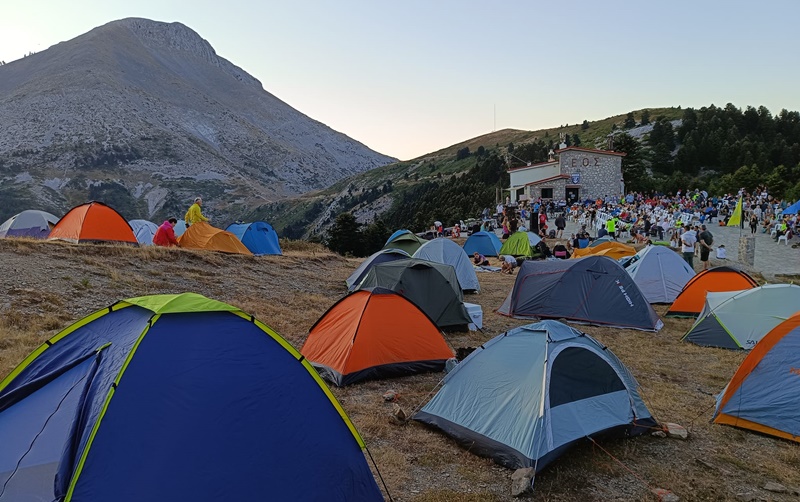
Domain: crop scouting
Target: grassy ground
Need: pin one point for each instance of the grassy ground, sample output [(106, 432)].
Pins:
[(44, 287)]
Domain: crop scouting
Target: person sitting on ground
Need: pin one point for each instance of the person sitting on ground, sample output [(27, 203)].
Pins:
[(479, 259), (165, 235), (194, 214), (508, 264)]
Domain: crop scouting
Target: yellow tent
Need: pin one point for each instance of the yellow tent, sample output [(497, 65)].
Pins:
[(203, 236), (612, 249), (736, 217)]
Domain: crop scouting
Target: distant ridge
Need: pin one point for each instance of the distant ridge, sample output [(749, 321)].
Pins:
[(145, 115)]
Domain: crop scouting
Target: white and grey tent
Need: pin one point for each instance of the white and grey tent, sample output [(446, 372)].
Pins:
[(659, 272), (526, 395), (739, 319), (381, 256), (144, 231), (445, 251)]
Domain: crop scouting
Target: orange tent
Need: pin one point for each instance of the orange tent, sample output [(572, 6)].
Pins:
[(93, 222), (692, 297), (203, 236), (374, 333), (613, 249), (763, 395)]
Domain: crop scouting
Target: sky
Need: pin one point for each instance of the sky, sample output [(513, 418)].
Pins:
[(409, 78)]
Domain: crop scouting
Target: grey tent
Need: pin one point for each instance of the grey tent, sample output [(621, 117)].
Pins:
[(445, 251), (659, 272), (433, 287), (592, 290), (739, 319), (381, 256), (527, 395), (144, 231)]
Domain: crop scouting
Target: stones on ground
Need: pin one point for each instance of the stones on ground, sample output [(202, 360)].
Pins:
[(398, 415), (659, 434), (390, 396), (521, 481), (665, 495), (771, 486), (676, 431)]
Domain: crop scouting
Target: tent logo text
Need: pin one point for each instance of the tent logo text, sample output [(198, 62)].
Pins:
[(624, 293)]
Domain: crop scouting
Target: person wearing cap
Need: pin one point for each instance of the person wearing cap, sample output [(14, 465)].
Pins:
[(705, 239), (194, 214)]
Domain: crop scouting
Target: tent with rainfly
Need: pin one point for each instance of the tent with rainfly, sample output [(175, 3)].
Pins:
[(592, 290), (374, 333), (518, 245), (433, 287), (174, 397), (739, 319), (613, 249), (30, 223), (485, 243), (259, 237), (763, 394), (202, 235), (659, 272), (692, 297), (793, 209), (405, 240), (375, 258), (93, 222), (527, 395), (144, 231), (441, 250)]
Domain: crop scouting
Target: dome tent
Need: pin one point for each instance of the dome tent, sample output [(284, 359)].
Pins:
[(236, 413), (692, 297), (660, 273), (527, 395), (259, 237), (31, 223), (144, 231), (441, 250), (93, 222), (202, 235), (381, 256), (485, 243), (517, 245), (405, 240)]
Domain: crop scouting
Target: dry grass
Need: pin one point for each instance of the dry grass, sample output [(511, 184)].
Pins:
[(46, 286)]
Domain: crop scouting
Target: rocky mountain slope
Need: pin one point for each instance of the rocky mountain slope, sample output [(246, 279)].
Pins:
[(144, 115)]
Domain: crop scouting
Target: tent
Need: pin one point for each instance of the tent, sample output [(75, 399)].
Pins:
[(374, 333), (762, 395), (259, 237), (93, 222), (592, 290), (433, 287), (486, 243), (739, 319), (405, 240), (613, 249), (601, 240), (527, 395), (692, 297), (518, 244), (144, 231), (174, 397), (381, 256), (441, 250), (180, 228), (793, 209), (660, 273), (31, 223), (201, 235), (533, 239)]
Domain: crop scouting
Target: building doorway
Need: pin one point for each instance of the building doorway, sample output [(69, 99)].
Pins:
[(572, 195)]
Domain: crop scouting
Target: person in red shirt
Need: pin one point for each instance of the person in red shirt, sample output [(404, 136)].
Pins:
[(165, 235)]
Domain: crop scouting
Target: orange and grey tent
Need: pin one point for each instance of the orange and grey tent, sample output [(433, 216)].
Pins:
[(763, 394), (203, 236), (692, 298), (613, 249), (374, 333), (93, 222)]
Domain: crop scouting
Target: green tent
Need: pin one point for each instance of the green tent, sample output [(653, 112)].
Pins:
[(517, 245), (404, 240)]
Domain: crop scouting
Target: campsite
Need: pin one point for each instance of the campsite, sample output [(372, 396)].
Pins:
[(47, 286)]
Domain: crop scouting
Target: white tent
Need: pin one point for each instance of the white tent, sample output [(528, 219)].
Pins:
[(659, 272), (144, 231), (445, 251)]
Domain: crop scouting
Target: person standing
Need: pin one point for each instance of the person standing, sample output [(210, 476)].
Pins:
[(195, 214), (165, 235), (688, 240), (706, 239), (561, 223)]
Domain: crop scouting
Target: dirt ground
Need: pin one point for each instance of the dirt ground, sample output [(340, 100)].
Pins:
[(44, 287)]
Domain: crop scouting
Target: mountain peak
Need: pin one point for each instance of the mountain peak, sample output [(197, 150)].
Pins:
[(172, 36)]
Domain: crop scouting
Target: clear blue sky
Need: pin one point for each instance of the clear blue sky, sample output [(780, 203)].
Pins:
[(408, 78)]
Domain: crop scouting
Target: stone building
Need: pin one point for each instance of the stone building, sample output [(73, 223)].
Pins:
[(574, 174)]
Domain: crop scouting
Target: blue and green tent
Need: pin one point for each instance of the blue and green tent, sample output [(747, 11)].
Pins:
[(174, 397)]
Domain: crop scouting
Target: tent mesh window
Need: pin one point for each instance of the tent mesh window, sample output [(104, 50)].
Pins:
[(596, 377)]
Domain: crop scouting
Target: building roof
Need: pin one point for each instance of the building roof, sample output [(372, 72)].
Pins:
[(592, 150), (540, 164), (552, 178)]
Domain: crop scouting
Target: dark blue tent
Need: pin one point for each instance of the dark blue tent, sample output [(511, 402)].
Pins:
[(258, 237), (486, 243), (174, 397)]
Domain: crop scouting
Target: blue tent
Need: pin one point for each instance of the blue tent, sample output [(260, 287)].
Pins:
[(259, 237), (526, 395), (486, 243), (793, 209), (180, 228), (382, 256), (396, 234), (144, 231), (174, 397)]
